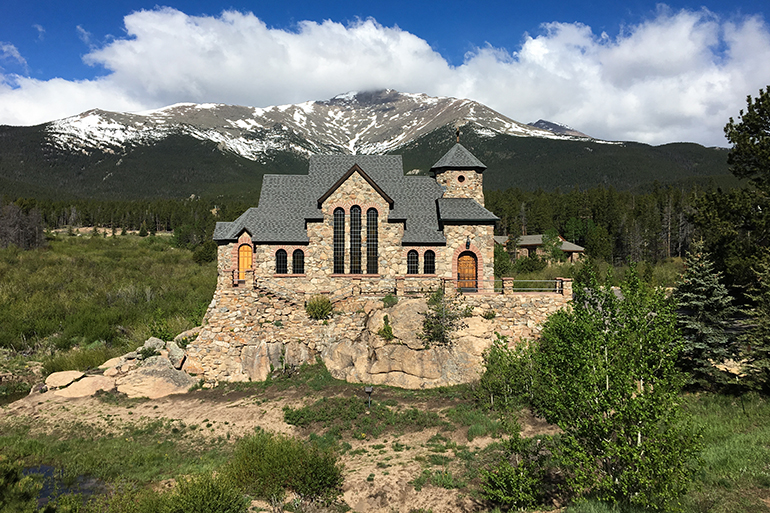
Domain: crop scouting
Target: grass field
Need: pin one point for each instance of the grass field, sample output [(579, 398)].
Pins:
[(91, 289)]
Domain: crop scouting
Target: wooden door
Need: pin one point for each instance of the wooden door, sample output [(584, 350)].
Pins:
[(244, 261), (466, 272)]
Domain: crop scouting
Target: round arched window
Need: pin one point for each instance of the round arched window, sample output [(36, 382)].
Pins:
[(461, 178)]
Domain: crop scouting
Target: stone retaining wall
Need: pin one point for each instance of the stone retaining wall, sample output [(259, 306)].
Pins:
[(248, 333)]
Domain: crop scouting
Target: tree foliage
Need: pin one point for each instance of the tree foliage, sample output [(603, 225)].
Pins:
[(605, 374), (441, 319), (705, 308), (757, 340), (750, 137)]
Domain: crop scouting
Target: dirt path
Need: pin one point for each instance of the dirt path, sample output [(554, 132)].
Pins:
[(377, 471)]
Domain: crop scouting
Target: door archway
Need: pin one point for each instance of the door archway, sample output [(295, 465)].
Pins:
[(467, 275), (244, 260)]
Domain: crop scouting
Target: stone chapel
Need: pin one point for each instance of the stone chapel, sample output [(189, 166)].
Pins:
[(356, 224)]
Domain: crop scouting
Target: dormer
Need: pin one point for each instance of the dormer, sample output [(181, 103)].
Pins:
[(461, 173)]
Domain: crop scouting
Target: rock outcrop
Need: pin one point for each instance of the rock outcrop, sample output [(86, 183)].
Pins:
[(155, 378)]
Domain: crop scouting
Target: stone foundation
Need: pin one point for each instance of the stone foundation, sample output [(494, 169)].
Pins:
[(248, 333)]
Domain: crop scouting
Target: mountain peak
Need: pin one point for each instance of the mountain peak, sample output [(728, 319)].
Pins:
[(558, 128)]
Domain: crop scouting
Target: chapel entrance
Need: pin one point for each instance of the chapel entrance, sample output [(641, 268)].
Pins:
[(466, 272), (244, 260)]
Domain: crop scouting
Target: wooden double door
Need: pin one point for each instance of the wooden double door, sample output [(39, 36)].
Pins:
[(467, 272)]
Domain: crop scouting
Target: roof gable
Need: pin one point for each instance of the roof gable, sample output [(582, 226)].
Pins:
[(355, 169)]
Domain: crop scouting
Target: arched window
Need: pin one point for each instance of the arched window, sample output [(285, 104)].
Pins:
[(280, 262), (372, 255), (412, 266), (298, 262), (339, 241), (244, 260), (355, 239), (429, 262)]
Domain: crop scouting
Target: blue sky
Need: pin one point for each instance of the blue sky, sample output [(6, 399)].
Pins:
[(632, 70)]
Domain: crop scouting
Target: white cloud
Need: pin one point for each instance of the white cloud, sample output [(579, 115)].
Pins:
[(40, 31), (676, 76), (9, 52)]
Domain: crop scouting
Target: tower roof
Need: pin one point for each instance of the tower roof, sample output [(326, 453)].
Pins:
[(458, 157)]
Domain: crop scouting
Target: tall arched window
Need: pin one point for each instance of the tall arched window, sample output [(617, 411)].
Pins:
[(412, 266), (245, 260), (280, 262), (429, 262), (339, 241), (355, 239), (298, 262), (372, 267)]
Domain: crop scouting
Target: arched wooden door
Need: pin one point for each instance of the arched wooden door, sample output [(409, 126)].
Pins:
[(244, 260), (466, 272)]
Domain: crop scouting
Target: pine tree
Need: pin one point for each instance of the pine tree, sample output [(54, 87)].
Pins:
[(757, 340), (705, 308)]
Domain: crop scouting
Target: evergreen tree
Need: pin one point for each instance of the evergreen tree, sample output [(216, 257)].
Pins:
[(757, 341), (705, 308), (750, 136)]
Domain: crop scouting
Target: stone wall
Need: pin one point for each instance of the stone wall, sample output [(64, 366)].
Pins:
[(465, 183), (248, 333)]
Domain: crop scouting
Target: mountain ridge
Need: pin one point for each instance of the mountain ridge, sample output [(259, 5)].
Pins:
[(224, 150)]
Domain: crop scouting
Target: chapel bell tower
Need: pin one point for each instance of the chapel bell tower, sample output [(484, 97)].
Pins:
[(461, 173)]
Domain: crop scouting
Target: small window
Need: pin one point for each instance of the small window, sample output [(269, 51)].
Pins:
[(461, 178), (298, 262), (429, 262), (412, 266), (280, 262)]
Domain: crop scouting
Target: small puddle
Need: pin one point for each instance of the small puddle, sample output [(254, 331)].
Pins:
[(54, 484)]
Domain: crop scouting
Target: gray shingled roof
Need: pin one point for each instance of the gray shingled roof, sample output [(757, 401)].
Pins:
[(537, 240), (288, 201), (464, 210), (459, 158)]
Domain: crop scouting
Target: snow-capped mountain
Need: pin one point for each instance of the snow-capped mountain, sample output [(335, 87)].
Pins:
[(356, 123), (559, 128)]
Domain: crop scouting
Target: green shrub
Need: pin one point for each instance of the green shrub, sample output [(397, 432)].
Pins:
[(489, 315), (389, 300), (159, 326), (386, 331), (511, 486), (441, 319), (207, 252), (507, 379), (82, 359), (267, 466), (529, 264), (319, 307), (206, 494), (18, 493)]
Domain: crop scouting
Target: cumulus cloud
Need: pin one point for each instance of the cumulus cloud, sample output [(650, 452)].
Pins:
[(677, 76)]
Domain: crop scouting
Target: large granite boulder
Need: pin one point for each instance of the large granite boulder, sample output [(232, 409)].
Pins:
[(62, 379), (405, 361), (87, 386), (175, 354), (155, 378)]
